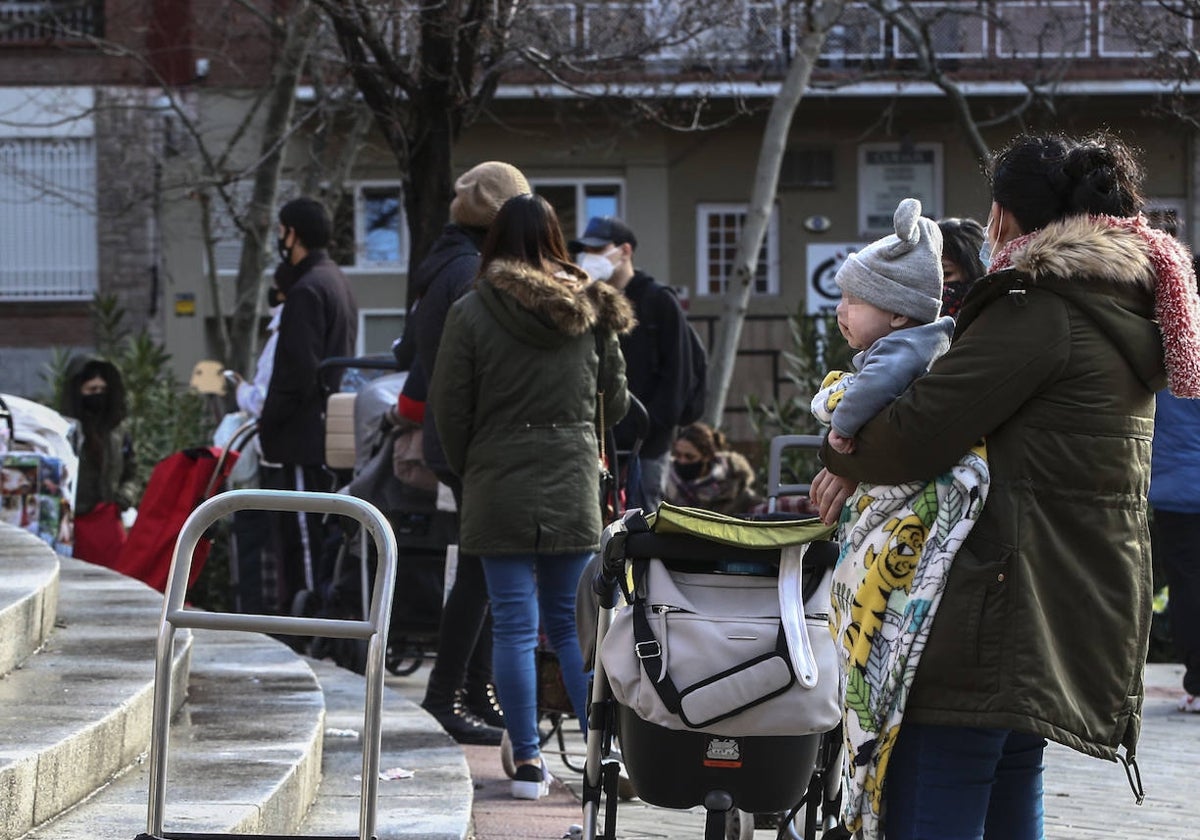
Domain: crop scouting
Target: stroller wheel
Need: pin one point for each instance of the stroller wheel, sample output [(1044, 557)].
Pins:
[(506, 756), (400, 660), (739, 825)]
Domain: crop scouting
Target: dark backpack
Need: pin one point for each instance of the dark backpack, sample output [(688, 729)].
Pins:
[(697, 391)]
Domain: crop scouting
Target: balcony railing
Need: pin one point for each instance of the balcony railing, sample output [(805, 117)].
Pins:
[(29, 21)]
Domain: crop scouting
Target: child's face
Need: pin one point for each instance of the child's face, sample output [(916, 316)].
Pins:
[(862, 323)]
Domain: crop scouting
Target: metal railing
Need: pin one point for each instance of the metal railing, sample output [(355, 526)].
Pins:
[(50, 20), (374, 628)]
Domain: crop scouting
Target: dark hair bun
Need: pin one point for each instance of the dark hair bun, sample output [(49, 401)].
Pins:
[(1101, 174), (1043, 179)]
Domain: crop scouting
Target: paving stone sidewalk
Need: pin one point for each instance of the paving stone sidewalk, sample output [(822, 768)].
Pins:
[(1086, 799)]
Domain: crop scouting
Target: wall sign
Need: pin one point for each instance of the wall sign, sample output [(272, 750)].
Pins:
[(890, 172), (823, 261)]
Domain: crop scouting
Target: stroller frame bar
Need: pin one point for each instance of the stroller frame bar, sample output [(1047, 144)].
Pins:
[(375, 628)]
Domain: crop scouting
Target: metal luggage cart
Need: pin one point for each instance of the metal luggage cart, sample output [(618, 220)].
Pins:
[(373, 629)]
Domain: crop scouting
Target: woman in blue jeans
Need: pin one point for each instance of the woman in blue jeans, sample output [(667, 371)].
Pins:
[(1042, 630), (528, 368)]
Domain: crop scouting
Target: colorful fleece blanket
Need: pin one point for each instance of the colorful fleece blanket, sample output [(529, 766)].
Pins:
[(897, 544)]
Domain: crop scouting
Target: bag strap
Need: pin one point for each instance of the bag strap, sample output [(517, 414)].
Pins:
[(648, 650)]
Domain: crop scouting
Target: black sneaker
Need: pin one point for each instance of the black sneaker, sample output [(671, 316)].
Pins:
[(531, 781), (482, 702), (466, 728)]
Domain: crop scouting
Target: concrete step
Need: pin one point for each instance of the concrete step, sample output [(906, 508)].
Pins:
[(77, 712), (244, 753), (267, 742), (28, 596)]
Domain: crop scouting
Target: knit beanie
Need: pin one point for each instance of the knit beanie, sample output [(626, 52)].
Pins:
[(901, 273), (479, 192), (309, 218)]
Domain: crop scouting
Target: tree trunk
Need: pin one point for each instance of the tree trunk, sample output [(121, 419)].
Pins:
[(821, 15), (260, 214), (427, 192)]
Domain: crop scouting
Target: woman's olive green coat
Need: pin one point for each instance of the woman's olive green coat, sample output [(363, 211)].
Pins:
[(514, 397), (1044, 623)]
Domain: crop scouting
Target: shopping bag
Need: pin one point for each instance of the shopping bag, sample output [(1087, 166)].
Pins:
[(177, 485)]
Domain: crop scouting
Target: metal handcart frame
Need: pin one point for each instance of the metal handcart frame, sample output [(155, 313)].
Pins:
[(373, 629)]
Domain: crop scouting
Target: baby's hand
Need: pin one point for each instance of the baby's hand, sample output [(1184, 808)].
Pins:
[(841, 443)]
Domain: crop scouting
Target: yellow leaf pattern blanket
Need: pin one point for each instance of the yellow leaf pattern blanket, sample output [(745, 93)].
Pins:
[(897, 544)]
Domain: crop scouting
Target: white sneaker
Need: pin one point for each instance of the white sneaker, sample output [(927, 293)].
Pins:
[(531, 781), (1189, 703)]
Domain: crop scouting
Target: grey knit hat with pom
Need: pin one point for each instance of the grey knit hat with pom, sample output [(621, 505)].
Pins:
[(901, 273)]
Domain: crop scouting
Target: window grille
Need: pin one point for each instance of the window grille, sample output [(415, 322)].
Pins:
[(22, 21), (48, 219), (718, 232), (807, 169)]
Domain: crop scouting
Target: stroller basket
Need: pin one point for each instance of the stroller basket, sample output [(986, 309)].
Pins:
[(677, 766)]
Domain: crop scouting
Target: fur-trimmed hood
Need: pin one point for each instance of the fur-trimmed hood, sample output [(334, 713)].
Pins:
[(1086, 248), (546, 309), (1126, 257)]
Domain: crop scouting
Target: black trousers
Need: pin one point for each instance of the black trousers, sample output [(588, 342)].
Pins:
[(304, 563), (1177, 551), (464, 655)]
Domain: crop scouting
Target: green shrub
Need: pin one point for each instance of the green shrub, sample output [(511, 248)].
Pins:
[(817, 348)]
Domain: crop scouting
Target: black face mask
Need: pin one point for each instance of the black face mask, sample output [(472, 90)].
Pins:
[(689, 472), (94, 403), (285, 250)]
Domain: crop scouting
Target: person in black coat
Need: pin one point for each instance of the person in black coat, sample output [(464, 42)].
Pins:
[(319, 322), (658, 354), (459, 695)]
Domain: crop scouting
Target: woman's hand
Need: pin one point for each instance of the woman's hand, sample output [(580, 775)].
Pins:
[(829, 493)]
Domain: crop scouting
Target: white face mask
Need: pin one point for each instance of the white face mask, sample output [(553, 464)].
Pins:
[(598, 266)]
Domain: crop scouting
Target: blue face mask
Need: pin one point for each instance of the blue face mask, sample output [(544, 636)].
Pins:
[(985, 255)]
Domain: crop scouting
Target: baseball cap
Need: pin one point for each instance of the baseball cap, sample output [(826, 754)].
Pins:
[(603, 230)]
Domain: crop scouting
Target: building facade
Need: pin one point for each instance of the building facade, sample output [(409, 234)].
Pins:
[(874, 126)]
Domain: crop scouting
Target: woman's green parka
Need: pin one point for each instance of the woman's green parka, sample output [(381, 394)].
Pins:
[(514, 396), (1044, 622)]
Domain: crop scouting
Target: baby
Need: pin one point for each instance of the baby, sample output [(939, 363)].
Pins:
[(891, 297)]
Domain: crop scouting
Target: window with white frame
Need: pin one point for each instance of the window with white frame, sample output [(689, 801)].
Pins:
[(718, 233), (369, 231), (576, 200), (858, 35), (1133, 29), (1043, 29), (48, 219), (225, 209), (954, 31), (547, 26), (616, 28), (377, 329)]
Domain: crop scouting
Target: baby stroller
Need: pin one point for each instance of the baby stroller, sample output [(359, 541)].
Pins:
[(693, 729), (359, 445)]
